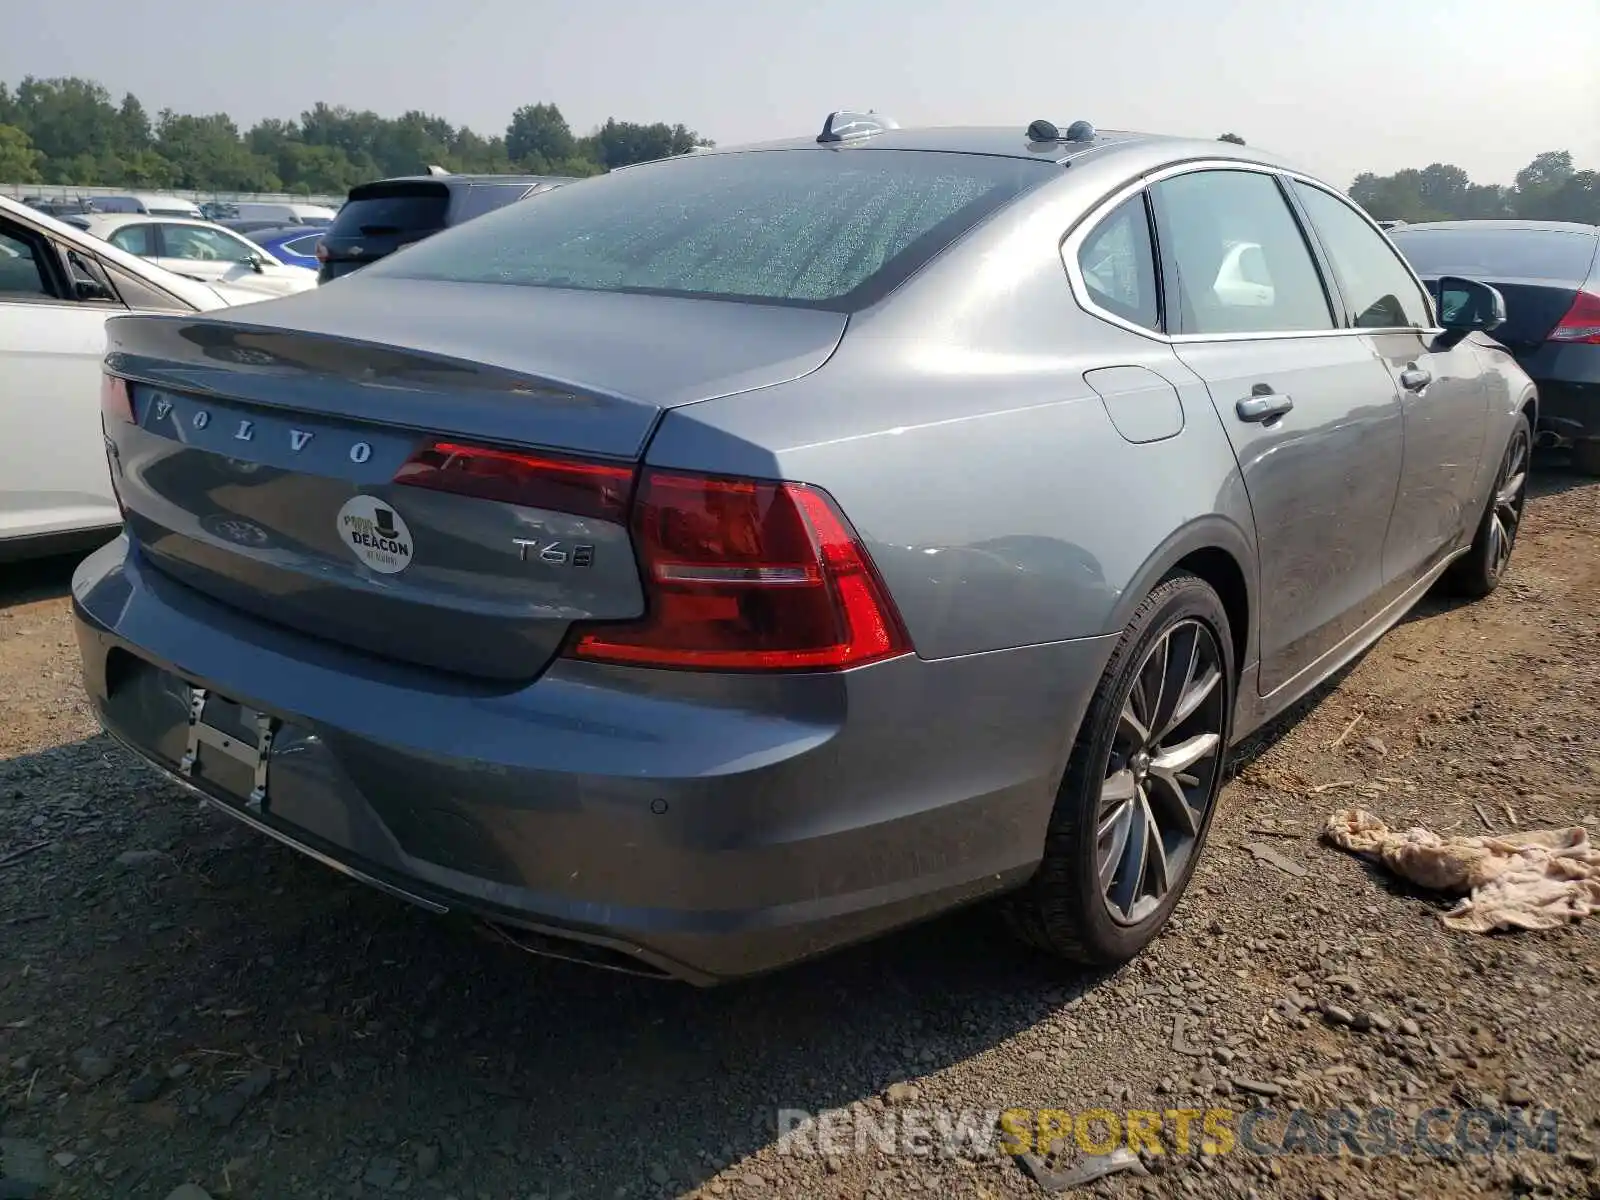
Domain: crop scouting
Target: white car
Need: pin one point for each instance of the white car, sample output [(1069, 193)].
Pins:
[(292, 213), (200, 250), (157, 204), (57, 287)]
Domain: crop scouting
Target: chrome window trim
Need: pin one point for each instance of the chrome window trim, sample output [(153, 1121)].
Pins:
[(1090, 221)]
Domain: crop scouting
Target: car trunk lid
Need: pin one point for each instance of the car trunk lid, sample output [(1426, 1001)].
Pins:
[(261, 465)]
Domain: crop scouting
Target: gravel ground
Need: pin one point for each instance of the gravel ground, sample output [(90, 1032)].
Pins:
[(186, 1006)]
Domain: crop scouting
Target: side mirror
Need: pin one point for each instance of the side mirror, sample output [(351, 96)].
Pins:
[(1467, 306), (91, 289), (254, 262)]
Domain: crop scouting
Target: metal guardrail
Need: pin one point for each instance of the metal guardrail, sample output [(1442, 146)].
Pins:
[(69, 191)]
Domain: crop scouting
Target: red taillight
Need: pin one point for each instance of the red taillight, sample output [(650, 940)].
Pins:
[(1582, 322), (115, 401), (742, 575), (321, 251), (567, 485)]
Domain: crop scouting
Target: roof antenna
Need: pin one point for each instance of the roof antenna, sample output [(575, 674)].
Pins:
[(436, 169)]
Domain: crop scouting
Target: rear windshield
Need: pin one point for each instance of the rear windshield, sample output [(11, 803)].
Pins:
[(1499, 253), (391, 209), (825, 229)]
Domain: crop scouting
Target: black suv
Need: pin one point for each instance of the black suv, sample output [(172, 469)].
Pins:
[(379, 218)]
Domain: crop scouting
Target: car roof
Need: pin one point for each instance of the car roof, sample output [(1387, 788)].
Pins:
[(288, 232), (1515, 226), (149, 199), (452, 180), (117, 220), (1012, 141)]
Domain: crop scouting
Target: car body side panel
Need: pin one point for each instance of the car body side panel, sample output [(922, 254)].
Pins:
[(955, 429), (53, 472)]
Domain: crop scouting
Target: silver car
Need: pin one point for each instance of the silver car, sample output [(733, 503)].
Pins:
[(743, 554)]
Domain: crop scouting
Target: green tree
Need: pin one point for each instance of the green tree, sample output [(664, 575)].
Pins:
[(67, 118), (539, 136), (207, 152), (19, 161), (622, 143), (1443, 188)]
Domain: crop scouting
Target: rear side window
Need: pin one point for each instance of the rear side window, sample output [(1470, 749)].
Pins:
[(819, 228), (21, 273), (1377, 288), (483, 198), (1238, 259), (135, 239), (1118, 266), (393, 209), (1491, 254), (306, 247)]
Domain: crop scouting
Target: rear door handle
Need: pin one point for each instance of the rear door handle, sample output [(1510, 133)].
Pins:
[(1263, 406), (1414, 378)]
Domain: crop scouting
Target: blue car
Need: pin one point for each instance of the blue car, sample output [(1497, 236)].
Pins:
[(293, 244)]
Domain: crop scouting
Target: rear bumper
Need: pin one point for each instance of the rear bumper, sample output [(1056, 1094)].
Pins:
[(701, 826), (1568, 379)]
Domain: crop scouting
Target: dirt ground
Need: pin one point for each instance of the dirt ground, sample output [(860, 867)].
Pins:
[(183, 1002)]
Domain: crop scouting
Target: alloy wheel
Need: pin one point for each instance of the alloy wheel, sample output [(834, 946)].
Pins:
[(1511, 489), (1162, 774)]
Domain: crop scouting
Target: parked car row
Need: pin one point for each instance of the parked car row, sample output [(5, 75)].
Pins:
[(58, 286), (698, 567), (201, 250)]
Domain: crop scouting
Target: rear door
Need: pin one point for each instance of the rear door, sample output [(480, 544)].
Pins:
[(1312, 414), (53, 475), (1445, 400)]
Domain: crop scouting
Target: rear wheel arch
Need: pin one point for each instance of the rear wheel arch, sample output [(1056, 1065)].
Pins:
[(1216, 550), (1528, 403)]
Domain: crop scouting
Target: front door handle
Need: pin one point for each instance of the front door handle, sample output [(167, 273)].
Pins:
[(1414, 378), (1263, 406)]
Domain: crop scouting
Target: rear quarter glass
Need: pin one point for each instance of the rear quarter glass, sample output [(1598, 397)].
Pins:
[(815, 228)]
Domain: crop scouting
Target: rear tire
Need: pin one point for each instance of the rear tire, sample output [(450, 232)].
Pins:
[(1136, 802), (1586, 456), (1480, 570)]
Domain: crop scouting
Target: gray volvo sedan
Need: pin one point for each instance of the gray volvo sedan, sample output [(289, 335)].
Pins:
[(743, 554)]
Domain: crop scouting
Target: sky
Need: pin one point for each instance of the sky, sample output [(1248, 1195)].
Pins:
[(1344, 87)]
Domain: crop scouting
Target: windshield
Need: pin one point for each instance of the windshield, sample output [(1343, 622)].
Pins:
[(827, 229), (1492, 254)]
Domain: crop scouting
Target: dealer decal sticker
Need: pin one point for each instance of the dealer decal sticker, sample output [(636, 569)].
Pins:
[(376, 534)]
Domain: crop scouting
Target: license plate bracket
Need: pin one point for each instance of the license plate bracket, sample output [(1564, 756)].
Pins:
[(255, 755)]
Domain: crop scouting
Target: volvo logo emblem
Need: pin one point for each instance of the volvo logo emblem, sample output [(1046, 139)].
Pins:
[(246, 429)]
